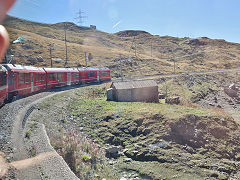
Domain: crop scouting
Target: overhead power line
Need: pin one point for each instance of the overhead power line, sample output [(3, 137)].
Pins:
[(80, 17)]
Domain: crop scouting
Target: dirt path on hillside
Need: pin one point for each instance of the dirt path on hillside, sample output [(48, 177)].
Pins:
[(174, 75)]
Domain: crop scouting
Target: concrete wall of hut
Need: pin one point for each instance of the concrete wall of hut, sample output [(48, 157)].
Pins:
[(123, 95), (147, 94)]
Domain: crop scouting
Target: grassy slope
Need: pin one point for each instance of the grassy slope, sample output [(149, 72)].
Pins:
[(190, 54), (163, 141)]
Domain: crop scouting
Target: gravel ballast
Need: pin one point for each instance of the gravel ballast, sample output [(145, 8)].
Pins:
[(46, 163)]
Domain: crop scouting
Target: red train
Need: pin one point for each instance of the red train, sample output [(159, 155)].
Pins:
[(3, 85), (25, 80)]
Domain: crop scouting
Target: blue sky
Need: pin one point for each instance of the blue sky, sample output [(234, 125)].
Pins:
[(180, 18)]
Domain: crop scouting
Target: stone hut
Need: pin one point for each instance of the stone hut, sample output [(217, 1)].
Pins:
[(133, 91)]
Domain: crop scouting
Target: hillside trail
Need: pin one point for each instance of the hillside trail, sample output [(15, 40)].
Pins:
[(183, 74)]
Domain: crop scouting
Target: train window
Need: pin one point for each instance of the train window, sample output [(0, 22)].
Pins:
[(75, 75), (42, 78), (90, 74), (59, 76), (52, 76), (37, 77), (3, 79), (21, 78), (104, 73), (26, 77), (11, 79)]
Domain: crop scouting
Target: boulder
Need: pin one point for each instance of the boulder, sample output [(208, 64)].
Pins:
[(195, 42), (112, 152), (231, 92), (162, 144), (127, 160), (172, 100), (31, 60), (189, 149), (233, 87), (40, 59)]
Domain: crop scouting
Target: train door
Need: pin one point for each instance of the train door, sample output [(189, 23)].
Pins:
[(32, 83), (98, 78), (12, 81), (80, 78), (68, 78)]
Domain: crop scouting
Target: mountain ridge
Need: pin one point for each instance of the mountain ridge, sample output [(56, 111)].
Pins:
[(142, 53)]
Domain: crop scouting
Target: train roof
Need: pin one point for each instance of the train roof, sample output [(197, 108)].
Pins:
[(61, 69), (93, 69), (21, 68)]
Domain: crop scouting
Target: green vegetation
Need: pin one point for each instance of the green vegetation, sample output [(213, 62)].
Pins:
[(83, 156), (162, 141), (189, 93), (32, 151), (28, 134), (86, 158), (94, 105), (138, 126), (32, 127)]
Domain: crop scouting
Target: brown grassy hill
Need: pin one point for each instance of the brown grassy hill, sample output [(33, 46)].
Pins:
[(134, 46)]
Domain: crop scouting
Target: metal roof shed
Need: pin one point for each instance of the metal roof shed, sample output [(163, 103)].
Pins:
[(135, 91)]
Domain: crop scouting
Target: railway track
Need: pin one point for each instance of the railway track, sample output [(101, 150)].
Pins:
[(13, 118)]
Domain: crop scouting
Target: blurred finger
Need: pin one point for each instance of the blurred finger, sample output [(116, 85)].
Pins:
[(4, 40), (5, 5), (3, 166)]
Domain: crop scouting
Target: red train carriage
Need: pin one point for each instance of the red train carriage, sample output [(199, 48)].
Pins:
[(89, 75), (75, 76), (3, 85), (57, 77), (94, 74), (24, 80), (104, 74)]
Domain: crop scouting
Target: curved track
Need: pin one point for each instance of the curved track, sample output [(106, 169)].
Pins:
[(13, 117)]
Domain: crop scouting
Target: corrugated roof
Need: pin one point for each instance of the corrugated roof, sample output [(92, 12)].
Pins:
[(134, 84)]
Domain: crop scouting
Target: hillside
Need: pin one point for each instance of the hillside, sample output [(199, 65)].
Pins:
[(190, 54), (154, 140)]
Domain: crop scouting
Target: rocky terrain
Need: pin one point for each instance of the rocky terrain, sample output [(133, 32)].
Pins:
[(149, 54)]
